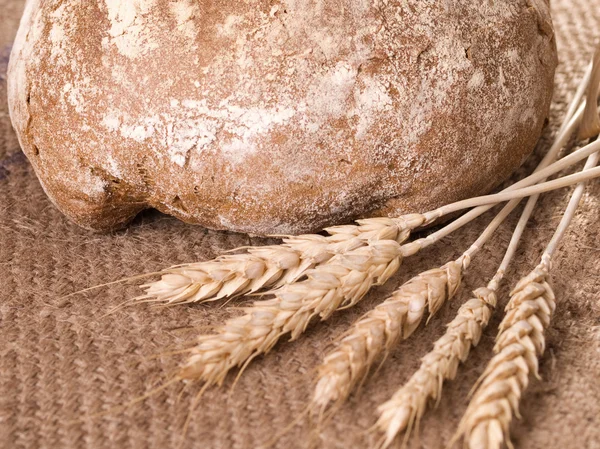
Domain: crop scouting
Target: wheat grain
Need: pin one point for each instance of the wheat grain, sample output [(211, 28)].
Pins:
[(520, 342), (340, 282), (378, 330), (265, 267), (408, 404)]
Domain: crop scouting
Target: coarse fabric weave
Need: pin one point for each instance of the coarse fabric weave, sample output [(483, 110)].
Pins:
[(62, 361)]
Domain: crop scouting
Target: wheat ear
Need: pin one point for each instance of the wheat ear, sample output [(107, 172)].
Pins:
[(381, 328), (260, 268)]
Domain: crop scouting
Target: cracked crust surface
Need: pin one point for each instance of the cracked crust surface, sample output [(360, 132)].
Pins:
[(273, 117)]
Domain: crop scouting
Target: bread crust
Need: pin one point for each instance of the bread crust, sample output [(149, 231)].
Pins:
[(276, 117)]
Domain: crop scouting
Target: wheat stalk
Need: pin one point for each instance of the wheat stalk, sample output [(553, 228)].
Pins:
[(259, 268), (520, 342), (408, 404), (381, 328)]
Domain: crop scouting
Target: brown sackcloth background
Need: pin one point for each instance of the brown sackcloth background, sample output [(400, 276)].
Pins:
[(61, 362)]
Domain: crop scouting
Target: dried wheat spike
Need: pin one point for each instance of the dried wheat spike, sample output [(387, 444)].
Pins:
[(381, 328), (266, 267), (408, 404), (520, 342), (342, 281)]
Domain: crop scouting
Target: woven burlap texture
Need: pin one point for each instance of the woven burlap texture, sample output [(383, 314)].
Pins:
[(61, 361)]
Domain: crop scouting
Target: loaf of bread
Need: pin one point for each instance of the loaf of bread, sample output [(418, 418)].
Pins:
[(276, 116)]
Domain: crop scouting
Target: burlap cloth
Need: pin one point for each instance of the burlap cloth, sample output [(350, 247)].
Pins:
[(60, 362)]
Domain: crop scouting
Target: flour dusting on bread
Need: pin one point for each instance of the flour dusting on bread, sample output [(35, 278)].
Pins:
[(277, 116)]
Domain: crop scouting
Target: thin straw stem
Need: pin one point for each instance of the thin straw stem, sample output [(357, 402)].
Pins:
[(573, 116), (574, 105), (516, 237), (539, 175), (525, 191), (491, 228), (569, 212), (565, 181)]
